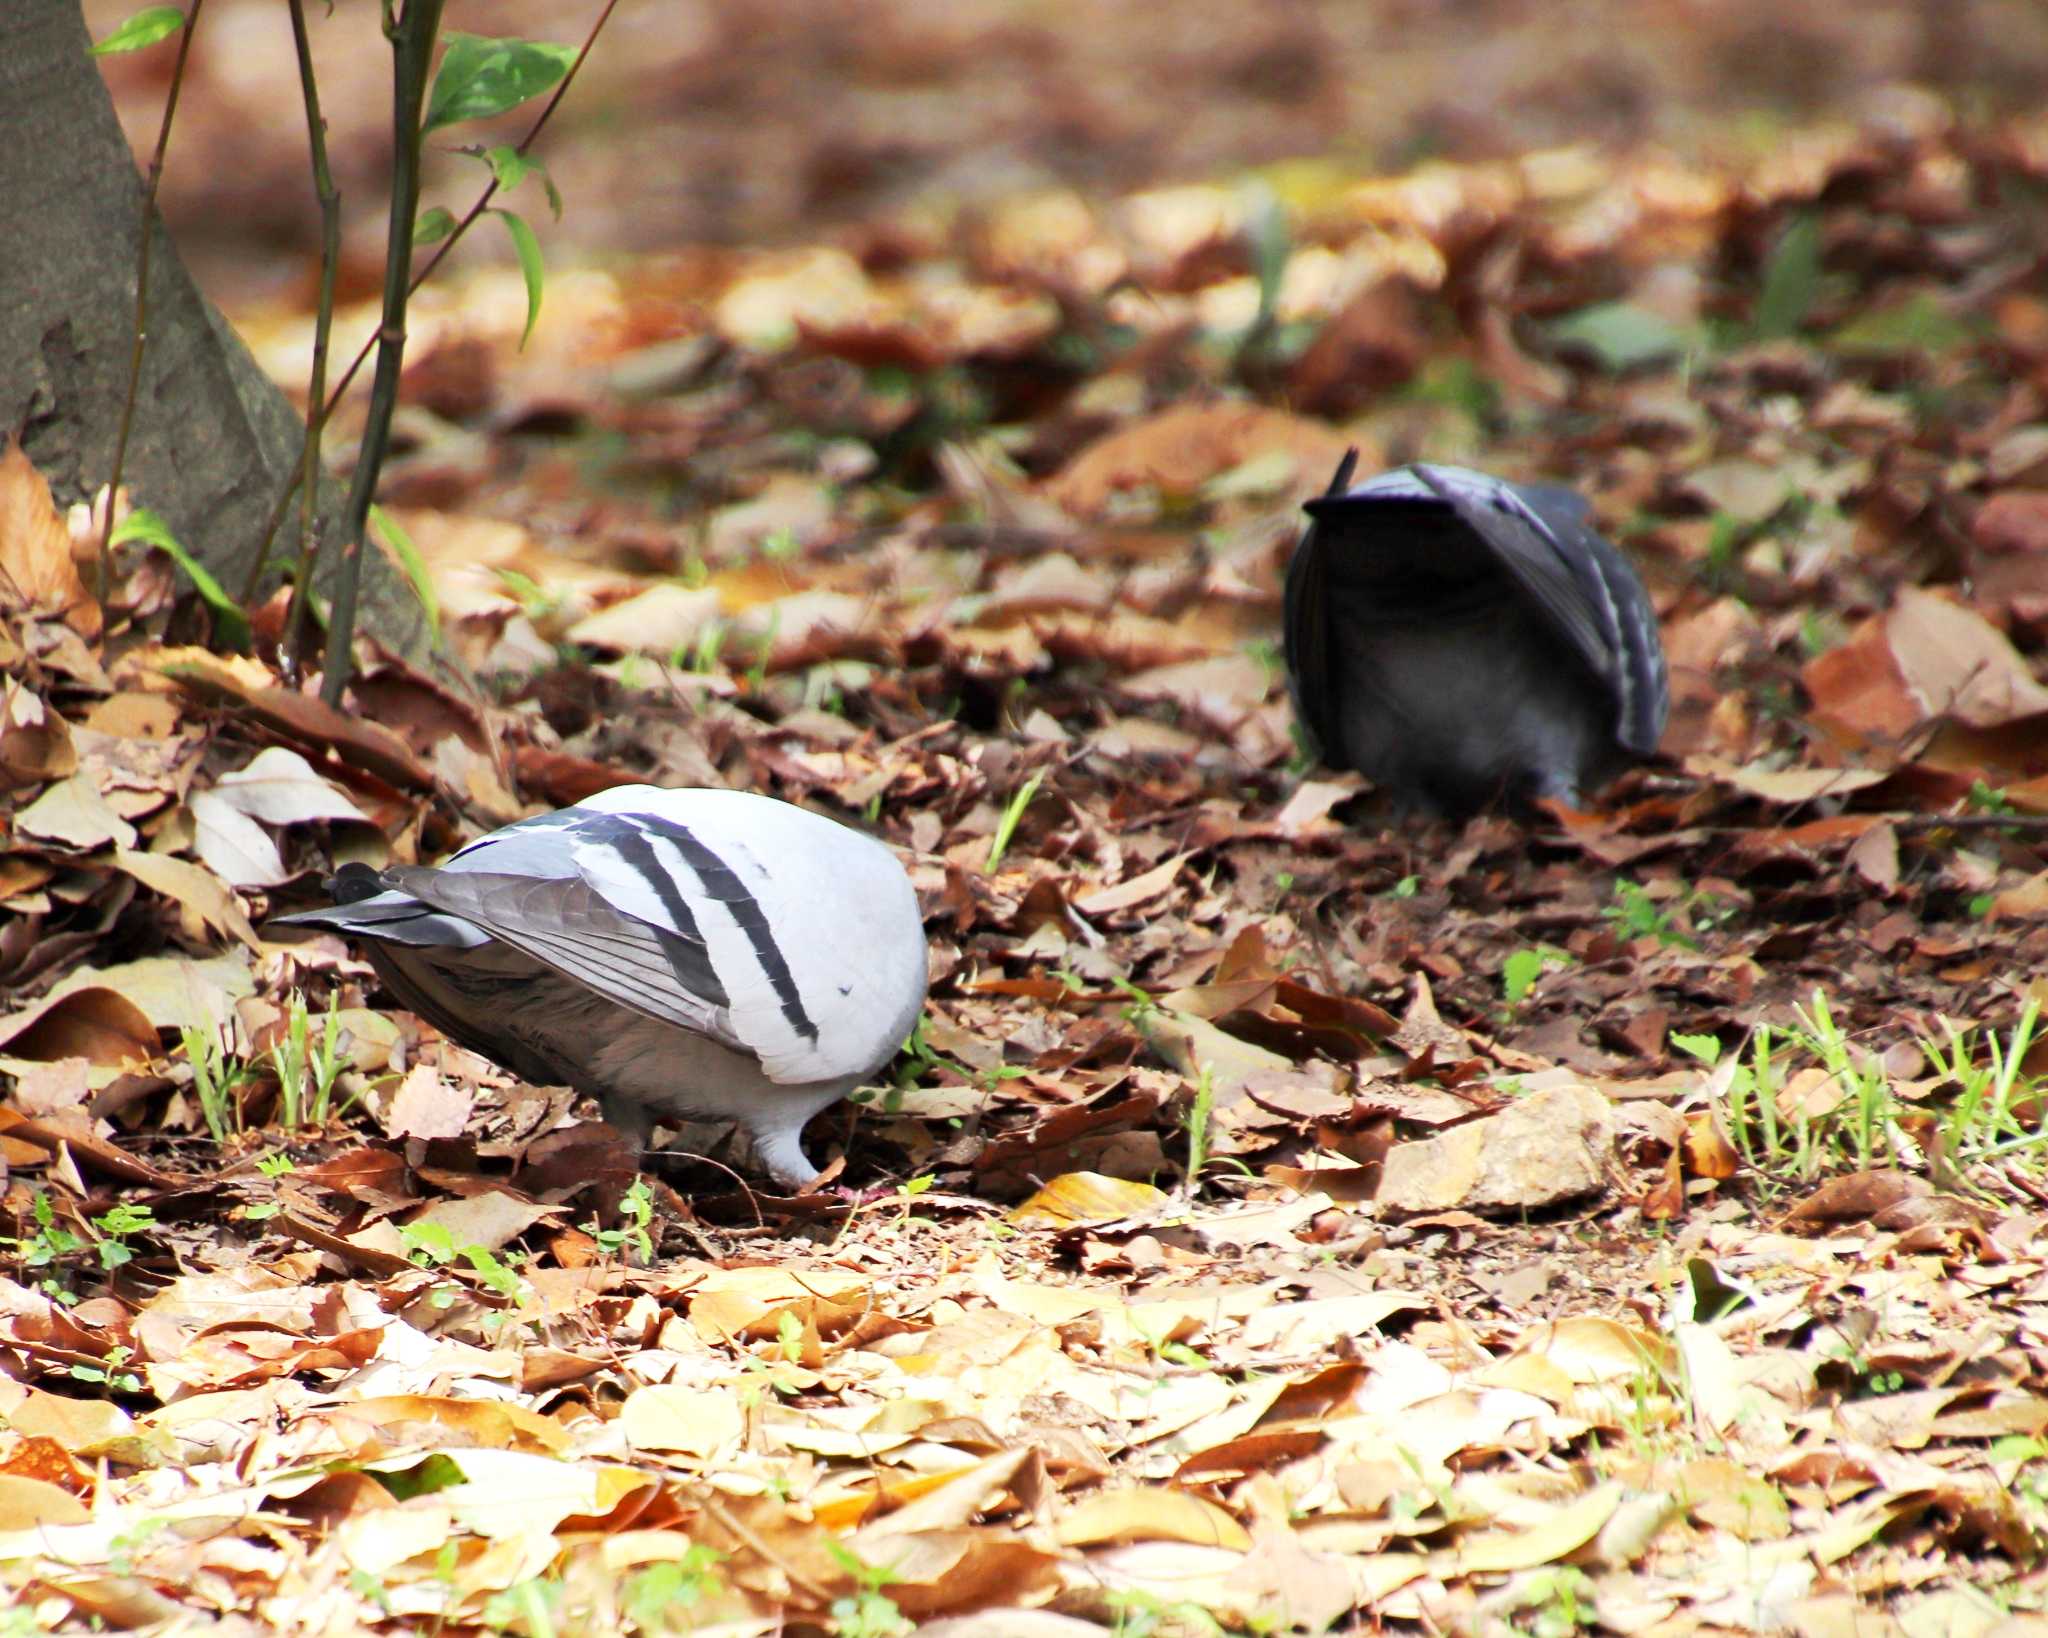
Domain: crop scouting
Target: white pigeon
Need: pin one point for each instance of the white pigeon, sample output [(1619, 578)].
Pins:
[(691, 953)]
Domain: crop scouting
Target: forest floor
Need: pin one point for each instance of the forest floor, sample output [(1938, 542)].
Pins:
[(1287, 1219)]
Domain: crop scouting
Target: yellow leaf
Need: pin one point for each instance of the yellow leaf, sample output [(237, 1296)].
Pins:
[(749, 1302), (1151, 1515), (1564, 1533), (28, 1504), (676, 1416), (1593, 1348), (1075, 1198)]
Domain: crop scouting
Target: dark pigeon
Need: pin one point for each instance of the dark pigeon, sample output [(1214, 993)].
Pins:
[(1465, 642), (687, 953)]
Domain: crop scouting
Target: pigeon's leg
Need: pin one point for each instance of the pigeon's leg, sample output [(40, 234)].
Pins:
[(780, 1147)]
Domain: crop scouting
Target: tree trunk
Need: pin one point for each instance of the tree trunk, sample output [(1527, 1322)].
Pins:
[(214, 441)]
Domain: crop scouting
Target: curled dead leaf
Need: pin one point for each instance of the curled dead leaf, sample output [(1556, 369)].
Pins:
[(99, 1025), (1178, 450), (1151, 1514), (1859, 1197), (1077, 1198)]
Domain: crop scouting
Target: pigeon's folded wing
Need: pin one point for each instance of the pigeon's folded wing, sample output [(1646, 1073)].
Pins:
[(566, 924), (1561, 508), (1540, 563), (1585, 588), (1641, 678), (364, 907)]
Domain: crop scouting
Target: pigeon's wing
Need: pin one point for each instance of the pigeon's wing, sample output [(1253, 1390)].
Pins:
[(565, 923), (640, 944), (438, 965), (1643, 684), (1583, 587), (1533, 554), (1558, 505), (1307, 620)]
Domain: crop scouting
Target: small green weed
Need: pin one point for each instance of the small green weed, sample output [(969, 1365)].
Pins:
[(1989, 1113), (53, 1247), (108, 1374), (533, 1606), (1013, 814), (2030, 1483), (1143, 1009), (535, 601), (918, 1058), (661, 1597), (115, 1226), (430, 1245), (132, 1542), (1635, 914), (631, 1239), (1201, 1109), (218, 1079), (1147, 1615), (907, 1192), (307, 1070), (1521, 970), (701, 654), (1990, 799), (1558, 1600), (371, 1590), (271, 1166), (757, 673), (48, 1248), (868, 1611), (1995, 1109)]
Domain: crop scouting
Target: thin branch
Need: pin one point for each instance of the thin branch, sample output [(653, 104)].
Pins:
[(484, 199), (316, 392), (156, 171), (412, 53), (454, 237)]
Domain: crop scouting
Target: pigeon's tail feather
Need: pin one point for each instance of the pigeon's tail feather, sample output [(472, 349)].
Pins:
[(364, 907)]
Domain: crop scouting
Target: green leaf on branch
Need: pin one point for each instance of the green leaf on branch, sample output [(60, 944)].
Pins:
[(434, 225), (528, 249), (145, 526), (145, 28), (482, 76), (400, 545), (510, 167)]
